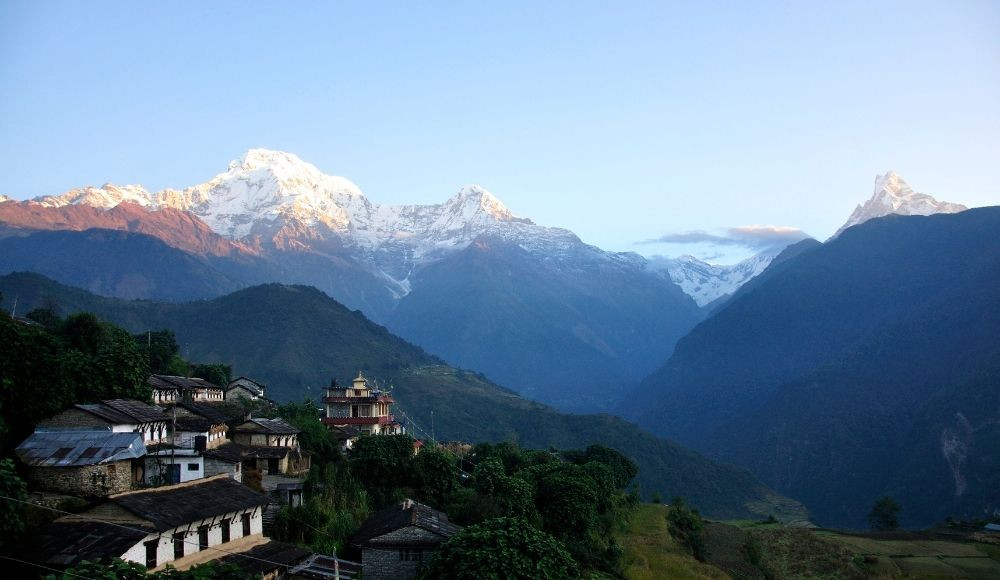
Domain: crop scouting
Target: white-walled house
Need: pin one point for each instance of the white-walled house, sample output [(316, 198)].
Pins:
[(166, 464), (177, 525), (120, 415)]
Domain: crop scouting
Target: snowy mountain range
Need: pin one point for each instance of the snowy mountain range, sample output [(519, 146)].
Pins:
[(273, 198)]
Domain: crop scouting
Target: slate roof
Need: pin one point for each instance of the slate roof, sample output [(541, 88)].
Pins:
[(65, 543), (229, 452), (183, 383), (175, 505), (76, 448), (276, 426), (254, 387), (194, 424), (265, 558), (107, 413), (209, 411), (140, 411), (406, 514), (342, 432)]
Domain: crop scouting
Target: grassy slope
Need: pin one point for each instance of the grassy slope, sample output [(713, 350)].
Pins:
[(651, 553), (295, 339)]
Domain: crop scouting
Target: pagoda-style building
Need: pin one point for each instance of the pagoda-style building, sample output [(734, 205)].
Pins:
[(360, 406)]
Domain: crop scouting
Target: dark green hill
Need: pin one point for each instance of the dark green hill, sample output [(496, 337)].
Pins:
[(295, 339), (827, 375), (115, 263)]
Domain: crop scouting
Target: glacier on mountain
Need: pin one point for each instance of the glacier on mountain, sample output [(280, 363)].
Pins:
[(705, 282)]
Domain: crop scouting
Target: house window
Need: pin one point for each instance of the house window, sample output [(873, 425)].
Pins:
[(151, 553), (178, 545), (410, 555), (246, 524), (192, 467), (202, 537), (225, 530)]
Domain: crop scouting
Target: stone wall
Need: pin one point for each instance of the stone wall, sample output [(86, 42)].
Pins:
[(89, 480), (395, 558)]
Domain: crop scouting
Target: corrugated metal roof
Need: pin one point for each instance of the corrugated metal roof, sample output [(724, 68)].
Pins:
[(76, 448)]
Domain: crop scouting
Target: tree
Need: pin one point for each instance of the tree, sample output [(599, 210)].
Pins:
[(382, 463), (883, 516), (215, 373), (436, 475), (501, 548), (685, 526), (11, 512)]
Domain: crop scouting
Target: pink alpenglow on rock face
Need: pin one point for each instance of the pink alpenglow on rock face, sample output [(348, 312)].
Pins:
[(893, 196)]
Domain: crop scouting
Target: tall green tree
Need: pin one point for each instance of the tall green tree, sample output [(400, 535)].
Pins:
[(885, 514), (508, 548)]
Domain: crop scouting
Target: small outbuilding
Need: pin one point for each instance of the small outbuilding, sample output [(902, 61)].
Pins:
[(395, 541), (88, 463)]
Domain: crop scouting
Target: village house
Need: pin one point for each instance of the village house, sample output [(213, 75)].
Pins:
[(395, 541), (271, 446), (199, 419), (360, 406), (181, 525), (167, 464), (120, 415), (184, 389), (244, 388), (226, 458), (86, 463)]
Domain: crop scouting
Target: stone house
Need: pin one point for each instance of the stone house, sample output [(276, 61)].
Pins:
[(120, 415), (164, 392), (88, 463), (271, 446), (226, 458), (395, 541), (181, 525), (187, 389), (244, 388), (362, 406)]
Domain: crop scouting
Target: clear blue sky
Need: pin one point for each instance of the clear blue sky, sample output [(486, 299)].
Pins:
[(622, 121)]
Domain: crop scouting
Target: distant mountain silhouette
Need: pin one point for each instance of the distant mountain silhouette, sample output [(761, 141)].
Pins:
[(865, 366)]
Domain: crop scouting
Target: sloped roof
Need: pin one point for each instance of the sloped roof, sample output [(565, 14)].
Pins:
[(175, 505), (344, 431), (267, 557), (138, 410), (173, 381), (76, 448), (277, 426), (209, 411), (194, 424), (406, 514), (247, 383), (65, 543), (229, 452), (107, 413)]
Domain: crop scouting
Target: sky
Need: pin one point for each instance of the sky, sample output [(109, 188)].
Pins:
[(622, 121)]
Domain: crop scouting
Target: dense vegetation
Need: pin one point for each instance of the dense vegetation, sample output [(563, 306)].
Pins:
[(862, 367), (561, 511), (295, 339)]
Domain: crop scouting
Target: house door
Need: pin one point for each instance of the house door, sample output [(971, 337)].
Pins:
[(272, 466), (174, 473)]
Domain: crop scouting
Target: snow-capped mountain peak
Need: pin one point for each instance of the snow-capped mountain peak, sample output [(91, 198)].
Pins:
[(894, 196), (474, 199)]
